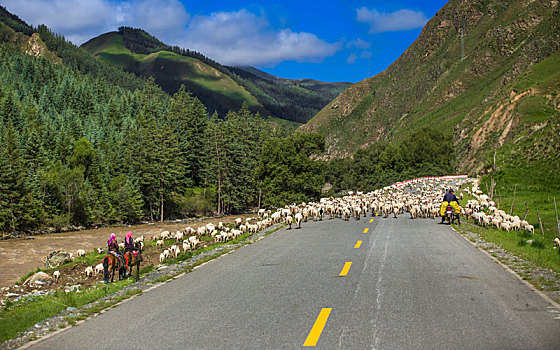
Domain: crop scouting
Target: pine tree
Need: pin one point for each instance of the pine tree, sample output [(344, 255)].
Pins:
[(189, 118)]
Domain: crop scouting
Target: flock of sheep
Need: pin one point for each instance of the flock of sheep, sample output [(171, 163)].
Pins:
[(476, 209), (420, 200)]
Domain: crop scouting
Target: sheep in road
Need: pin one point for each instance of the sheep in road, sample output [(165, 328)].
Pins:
[(289, 221), (298, 219)]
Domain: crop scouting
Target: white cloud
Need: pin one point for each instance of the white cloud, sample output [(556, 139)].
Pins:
[(233, 38), (391, 22), (359, 44), (243, 38), (366, 55), (81, 20), (351, 59)]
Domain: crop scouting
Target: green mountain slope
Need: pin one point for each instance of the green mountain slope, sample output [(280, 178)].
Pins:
[(292, 100), (215, 89), (493, 97)]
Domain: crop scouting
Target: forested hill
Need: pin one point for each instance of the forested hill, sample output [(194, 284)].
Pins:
[(485, 72), (220, 88), (83, 143)]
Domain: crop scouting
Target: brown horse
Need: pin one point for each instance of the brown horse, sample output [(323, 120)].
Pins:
[(131, 261), (110, 264)]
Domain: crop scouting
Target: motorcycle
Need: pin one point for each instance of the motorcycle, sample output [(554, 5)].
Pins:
[(450, 216)]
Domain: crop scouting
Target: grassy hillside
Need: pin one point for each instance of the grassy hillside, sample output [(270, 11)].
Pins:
[(215, 89), (476, 99), (293, 100)]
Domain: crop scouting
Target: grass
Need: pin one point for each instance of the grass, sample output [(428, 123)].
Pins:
[(540, 251), (19, 316)]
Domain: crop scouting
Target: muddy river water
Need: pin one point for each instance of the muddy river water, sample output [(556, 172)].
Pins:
[(19, 256)]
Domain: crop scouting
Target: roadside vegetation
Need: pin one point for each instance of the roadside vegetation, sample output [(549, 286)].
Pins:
[(18, 317), (536, 248)]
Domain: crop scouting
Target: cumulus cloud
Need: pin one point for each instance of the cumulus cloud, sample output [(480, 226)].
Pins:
[(391, 22), (80, 20), (233, 38), (243, 38)]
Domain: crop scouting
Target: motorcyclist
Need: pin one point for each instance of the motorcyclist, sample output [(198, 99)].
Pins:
[(450, 199)]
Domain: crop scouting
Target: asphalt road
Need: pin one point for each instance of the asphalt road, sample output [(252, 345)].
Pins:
[(411, 284)]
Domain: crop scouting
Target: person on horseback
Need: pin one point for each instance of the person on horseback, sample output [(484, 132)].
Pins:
[(113, 246), (129, 242), (128, 248), (449, 199)]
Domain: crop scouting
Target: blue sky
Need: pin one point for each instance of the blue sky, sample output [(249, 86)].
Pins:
[(332, 40)]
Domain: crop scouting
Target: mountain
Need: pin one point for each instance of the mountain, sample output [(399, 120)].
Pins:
[(331, 90), (220, 88), (485, 71), (214, 88)]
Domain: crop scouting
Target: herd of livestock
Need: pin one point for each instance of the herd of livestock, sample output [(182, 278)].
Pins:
[(420, 200)]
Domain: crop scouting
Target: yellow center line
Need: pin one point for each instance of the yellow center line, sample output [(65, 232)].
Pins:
[(371, 220), (346, 268), (317, 329), (358, 244), (366, 230)]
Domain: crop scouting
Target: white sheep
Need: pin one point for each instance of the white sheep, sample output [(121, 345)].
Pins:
[(98, 269), (161, 257), (289, 221), (186, 246), (298, 219), (178, 236), (201, 230), (80, 252), (89, 271), (159, 243), (56, 276), (99, 250), (174, 249)]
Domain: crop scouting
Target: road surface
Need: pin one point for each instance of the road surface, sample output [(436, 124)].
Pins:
[(409, 284)]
